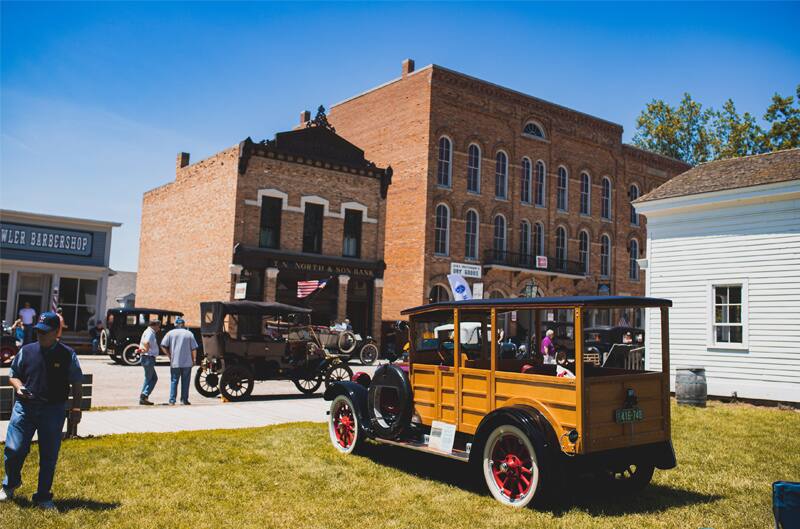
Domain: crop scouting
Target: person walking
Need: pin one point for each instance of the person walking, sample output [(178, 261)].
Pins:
[(181, 347), (28, 316), (548, 348), (94, 334), (18, 331), (148, 349), (41, 375)]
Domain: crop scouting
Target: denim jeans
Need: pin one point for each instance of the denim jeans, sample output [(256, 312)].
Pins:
[(150, 376), (95, 345), (28, 334), (185, 374), (48, 420)]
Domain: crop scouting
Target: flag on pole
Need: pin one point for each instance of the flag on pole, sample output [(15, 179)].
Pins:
[(305, 288), (459, 286)]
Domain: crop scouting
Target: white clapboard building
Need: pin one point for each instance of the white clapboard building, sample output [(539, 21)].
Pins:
[(723, 243)]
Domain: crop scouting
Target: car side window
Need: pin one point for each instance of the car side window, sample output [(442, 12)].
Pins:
[(474, 342), (432, 335), (130, 320)]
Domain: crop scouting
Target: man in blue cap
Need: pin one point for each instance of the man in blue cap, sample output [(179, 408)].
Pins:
[(41, 375), (181, 347)]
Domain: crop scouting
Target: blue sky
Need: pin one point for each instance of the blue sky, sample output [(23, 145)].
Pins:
[(97, 99)]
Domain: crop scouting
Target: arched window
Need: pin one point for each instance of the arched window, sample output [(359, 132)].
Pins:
[(441, 241), (472, 229), (438, 293), (605, 256), (606, 199), (525, 192), (501, 176), (540, 183), (532, 129), (525, 242), (474, 169), (538, 238), (583, 251), (561, 247), (634, 194), (443, 168), (561, 189), (633, 250), (499, 242), (586, 194)]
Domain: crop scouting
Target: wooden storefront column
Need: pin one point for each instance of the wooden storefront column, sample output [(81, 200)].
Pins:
[(377, 309), (341, 300), (270, 283)]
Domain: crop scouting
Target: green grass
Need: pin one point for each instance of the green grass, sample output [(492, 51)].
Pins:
[(289, 477)]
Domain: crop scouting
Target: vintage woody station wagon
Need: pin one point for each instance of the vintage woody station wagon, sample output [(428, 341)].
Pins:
[(485, 385)]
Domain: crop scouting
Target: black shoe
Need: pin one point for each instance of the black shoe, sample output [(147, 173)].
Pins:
[(144, 402), (186, 403)]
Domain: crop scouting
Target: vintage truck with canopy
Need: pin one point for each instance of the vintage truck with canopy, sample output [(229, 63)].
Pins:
[(524, 424)]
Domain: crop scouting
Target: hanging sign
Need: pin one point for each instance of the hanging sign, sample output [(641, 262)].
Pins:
[(541, 261), (41, 239), (241, 291), (466, 270), (477, 290)]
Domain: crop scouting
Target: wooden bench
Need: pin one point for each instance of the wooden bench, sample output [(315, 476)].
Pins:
[(7, 397)]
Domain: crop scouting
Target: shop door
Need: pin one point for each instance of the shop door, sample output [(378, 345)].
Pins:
[(359, 305), (33, 289)]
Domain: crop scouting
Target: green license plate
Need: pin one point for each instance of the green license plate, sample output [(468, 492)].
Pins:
[(628, 415)]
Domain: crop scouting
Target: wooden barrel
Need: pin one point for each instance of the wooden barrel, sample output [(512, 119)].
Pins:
[(690, 386)]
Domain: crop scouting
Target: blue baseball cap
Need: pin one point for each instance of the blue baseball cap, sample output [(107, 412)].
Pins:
[(48, 322), (179, 321)]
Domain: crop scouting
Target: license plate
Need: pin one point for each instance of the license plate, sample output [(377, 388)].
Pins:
[(628, 415)]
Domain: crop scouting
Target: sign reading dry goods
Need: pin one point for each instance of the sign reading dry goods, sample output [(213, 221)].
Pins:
[(40, 239), (466, 270)]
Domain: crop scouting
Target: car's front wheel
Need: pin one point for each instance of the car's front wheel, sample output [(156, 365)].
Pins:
[(104, 341), (368, 354), (338, 372), (511, 467), (206, 382), (131, 355), (343, 425), (236, 383)]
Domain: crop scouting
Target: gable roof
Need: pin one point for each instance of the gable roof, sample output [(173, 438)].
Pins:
[(731, 173)]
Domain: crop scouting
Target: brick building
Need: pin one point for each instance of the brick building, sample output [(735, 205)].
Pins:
[(489, 181), (306, 205)]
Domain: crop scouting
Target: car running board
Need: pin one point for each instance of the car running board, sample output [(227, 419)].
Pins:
[(458, 455)]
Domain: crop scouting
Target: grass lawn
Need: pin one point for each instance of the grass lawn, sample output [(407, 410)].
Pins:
[(289, 477)]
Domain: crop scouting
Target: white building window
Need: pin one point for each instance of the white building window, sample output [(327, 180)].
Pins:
[(534, 130), (471, 242), (540, 183), (633, 251), (561, 247), (538, 238), (728, 314), (605, 256), (444, 167), (438, 293), (606, 199), (442, 230), (474, 169), (583, 251), (501, 176), (525, 242), (561, 189), (634, 194), (499, 243), (525, 191)]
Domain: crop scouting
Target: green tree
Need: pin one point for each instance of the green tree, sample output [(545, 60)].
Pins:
[(783, 116), (733, 135), (681, 132)]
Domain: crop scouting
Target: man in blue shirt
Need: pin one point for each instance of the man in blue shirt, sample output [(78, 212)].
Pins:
[(41, 374)]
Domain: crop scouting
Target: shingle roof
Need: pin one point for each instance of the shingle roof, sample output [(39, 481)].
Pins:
[(731, 173)]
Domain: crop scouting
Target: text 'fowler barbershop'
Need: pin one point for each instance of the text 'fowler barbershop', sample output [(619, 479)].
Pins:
[(298, 219), (48, 261)]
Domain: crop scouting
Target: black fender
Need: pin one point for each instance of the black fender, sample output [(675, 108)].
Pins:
[(357, 395), (530, 421), (663, 455)]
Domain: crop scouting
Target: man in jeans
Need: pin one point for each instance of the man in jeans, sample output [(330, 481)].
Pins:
[(41, 375), (148, 349), (28, 316), (181, 347)]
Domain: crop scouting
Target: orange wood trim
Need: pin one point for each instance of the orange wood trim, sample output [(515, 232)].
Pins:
[(493, 359), (457, 364), (580, 387)]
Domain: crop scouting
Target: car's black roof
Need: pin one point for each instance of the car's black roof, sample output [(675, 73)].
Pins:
[(582, 301), (137, 310), (254, 307)]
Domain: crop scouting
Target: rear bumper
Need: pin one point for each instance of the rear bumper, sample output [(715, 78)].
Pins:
[(661, 455)]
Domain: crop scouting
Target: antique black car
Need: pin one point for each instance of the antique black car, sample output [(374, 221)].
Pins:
[(616, 346), (248, 341), (124, 327)]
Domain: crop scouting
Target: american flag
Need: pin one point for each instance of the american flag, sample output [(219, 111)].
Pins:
[(304, 288)]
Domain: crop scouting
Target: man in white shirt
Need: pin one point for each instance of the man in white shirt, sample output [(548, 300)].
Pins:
[(148, 349), (181, 347), (28, 316)]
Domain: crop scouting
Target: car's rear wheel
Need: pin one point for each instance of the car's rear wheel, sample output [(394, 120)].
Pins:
[(343, 425), (130, 355), (104, 340), (511, 467), (236, 383), (307, 381), (368, 354), (206, 383), (347, 342), (338, 372)]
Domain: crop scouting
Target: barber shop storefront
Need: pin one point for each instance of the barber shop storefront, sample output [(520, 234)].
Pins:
[(48, 261)]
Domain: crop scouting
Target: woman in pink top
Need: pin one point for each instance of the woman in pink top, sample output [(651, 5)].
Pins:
[(548, 348)]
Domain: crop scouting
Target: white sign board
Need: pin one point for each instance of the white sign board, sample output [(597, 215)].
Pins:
[(541, 261), (477, 290), (241, 291), (466, 270), (442, 436)]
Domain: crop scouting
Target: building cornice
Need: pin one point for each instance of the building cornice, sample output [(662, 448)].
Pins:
[(42, 218)]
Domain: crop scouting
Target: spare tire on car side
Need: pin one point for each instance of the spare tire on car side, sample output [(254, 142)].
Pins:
[(389, 402)]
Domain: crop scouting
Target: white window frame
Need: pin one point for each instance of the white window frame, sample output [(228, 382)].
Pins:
[(581, 234), (607, 273), (449, 162), (446, 229), (539, 250), (588, 194), (536, 186), (477, 235), (525, 238), (504, 196), (535, 136), (566, 188), (710, 334), (478, 168), (633, 260), (606, 200), (526, 186), (634, 216), (504, 248)]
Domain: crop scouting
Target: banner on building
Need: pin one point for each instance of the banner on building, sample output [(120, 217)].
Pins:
[(477, 291), (241, 291), (466, 270), (459, 286)]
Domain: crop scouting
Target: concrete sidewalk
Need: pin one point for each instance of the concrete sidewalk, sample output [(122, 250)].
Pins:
[(179, 418)]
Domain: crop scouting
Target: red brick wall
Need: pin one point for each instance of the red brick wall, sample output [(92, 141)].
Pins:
[(186, 240)]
